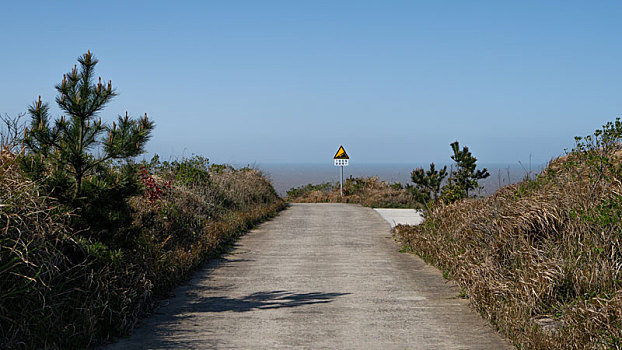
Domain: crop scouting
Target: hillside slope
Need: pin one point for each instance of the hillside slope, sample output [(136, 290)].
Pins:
[(540, 259)]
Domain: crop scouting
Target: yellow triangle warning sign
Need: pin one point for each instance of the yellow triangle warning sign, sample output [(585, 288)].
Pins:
[(341, 154)]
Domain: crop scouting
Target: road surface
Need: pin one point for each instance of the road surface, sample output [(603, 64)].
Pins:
[(401, 216), (318, 276)]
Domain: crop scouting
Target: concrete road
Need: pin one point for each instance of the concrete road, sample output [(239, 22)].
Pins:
[(319, 276), (401, 216)]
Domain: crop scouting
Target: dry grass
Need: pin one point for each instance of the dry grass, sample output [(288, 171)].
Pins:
[(39, 264), (541, 259), (369, 191), (196, 222), (59, 290)]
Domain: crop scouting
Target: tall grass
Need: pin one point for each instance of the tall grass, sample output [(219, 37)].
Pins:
[(541, 259), (61, 290)]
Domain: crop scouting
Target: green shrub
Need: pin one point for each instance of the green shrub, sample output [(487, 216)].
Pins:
[(428, 183), (465, 176)]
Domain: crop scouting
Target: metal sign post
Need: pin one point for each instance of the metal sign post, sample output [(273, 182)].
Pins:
[(341, 183), (341, 159)]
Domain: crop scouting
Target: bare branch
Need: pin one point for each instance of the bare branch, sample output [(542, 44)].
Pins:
[(11, 132)]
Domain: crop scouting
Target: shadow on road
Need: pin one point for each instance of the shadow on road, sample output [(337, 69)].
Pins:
[(261, 301)]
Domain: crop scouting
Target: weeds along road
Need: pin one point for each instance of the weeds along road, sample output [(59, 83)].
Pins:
[(318, 276)]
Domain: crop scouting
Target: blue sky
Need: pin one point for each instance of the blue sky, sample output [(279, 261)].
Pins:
[(289, 81)]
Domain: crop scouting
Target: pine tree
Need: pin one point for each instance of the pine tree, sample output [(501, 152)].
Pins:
[(465, 174), (428, 183), (82, 161)]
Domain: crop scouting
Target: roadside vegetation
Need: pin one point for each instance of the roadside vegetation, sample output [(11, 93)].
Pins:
[(541, 259), (367, 191), (89, 238), (427, 187)]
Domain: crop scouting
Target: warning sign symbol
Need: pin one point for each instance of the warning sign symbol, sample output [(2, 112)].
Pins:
[(341, 154)]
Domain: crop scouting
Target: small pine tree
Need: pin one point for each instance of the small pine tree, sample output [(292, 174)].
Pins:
[(428, 183), (465, 174), (82, 161)]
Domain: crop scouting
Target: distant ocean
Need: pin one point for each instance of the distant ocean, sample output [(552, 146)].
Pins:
[(287, 176)]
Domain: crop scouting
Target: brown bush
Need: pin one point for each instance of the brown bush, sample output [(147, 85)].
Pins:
[(369, 191), (193, 223)]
